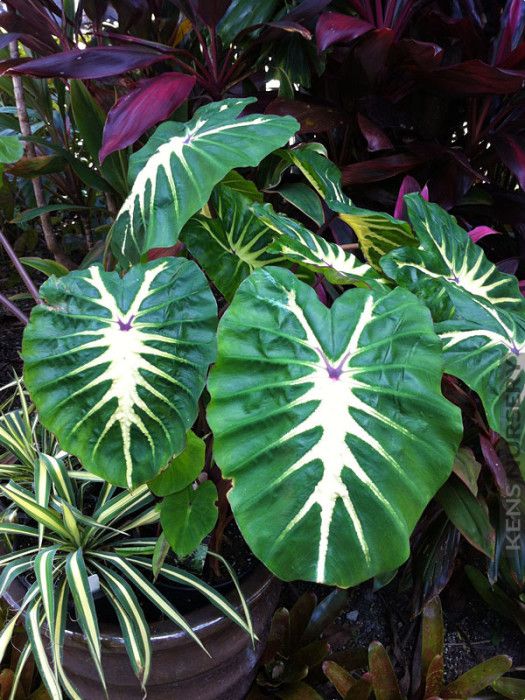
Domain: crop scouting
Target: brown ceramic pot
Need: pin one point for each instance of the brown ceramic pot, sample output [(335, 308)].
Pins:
[(180, 669)]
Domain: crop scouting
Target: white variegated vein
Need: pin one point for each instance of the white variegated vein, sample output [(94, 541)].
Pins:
[(123, 357), (336, 401)]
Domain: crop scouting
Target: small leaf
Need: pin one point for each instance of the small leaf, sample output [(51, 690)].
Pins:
[(300, 616), (11, 149), (469, 514), (30, 214), (188, 516), (305, 199), (467, 468), (512, 688), (325, 613), (183, 469), (384, 679), (340, 679), (478, 678), (432, 633), (434, 677), (37, 166)]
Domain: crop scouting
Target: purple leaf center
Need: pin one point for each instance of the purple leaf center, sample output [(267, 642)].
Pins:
[(125, 325)]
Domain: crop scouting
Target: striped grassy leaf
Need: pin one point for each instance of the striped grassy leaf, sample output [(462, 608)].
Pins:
[(146, 588), (11, 571), (116, 365), (59, 477), (216, 599), (33, 624), (44, 516), (57, 639), (132, 618), (377, 233), (174, 174), (42, 487), (322, 427), (232, 244), (297, 244), (77, 578), (44, 572), (447, 257)]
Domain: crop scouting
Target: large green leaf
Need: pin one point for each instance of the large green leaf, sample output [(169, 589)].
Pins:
[(174, 174), (485, 347), (331, 425), (446, 254), (232, 245), (299, 245), (481, 313), (116, 365)]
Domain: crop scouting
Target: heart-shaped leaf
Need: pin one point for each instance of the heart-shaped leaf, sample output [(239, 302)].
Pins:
[(183, 469), (116, 365), (174, 174), (321, 416), (232, 245), (188, 516)]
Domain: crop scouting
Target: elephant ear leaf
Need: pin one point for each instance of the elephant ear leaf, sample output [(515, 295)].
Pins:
[(231, 245), (321, 417), (447, 257), (116, 365), (174, 174), (479, 310), (297, 244)]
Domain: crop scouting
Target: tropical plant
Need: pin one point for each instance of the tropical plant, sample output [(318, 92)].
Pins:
[(294, 648), (380, 680), (79, 538)]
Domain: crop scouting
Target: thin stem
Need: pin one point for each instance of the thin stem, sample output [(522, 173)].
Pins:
[(25, 129), (13, 309), (26, 279)]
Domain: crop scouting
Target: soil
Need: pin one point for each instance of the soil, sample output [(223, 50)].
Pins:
[(474, 633)]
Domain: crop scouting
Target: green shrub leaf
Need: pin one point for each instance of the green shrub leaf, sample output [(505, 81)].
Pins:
[(116, 365), (320, 418)]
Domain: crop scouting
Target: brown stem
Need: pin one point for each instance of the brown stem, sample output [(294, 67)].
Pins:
[(13, 309), (25, 129)]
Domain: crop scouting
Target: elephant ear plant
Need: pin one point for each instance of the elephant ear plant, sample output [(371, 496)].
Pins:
[(326, 408)]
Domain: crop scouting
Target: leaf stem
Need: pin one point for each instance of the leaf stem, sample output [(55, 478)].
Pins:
[(13, 309), (24, 276)]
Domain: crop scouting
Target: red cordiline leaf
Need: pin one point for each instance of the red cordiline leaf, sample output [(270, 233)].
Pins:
[(408, 185), (376, 138), (476, 78), (333, 27), (511, 150), (382, 168), (152, 101), (480, 232), (91, 63)]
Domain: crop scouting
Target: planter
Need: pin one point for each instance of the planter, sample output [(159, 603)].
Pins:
[(180, 669)]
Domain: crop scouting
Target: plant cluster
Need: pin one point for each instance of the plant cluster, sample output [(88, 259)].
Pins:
[(362, 364)]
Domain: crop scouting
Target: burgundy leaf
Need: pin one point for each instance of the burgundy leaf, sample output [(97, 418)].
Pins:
[(476, 78), (91, 63), (375, 137), (210, 11), (511, 28), (334, 27), (306, 10), (511, 150), (379, 169), (152, 101), (286, 25), (508, 265), (494, 464), (313, 118), (408, 185), (480, 232)]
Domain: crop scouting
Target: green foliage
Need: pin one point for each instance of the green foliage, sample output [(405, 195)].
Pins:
[(174, 174), (116, 365), (85, 549), (355, 402)]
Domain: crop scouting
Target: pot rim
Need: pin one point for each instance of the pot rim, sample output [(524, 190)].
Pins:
[(256, 584)]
